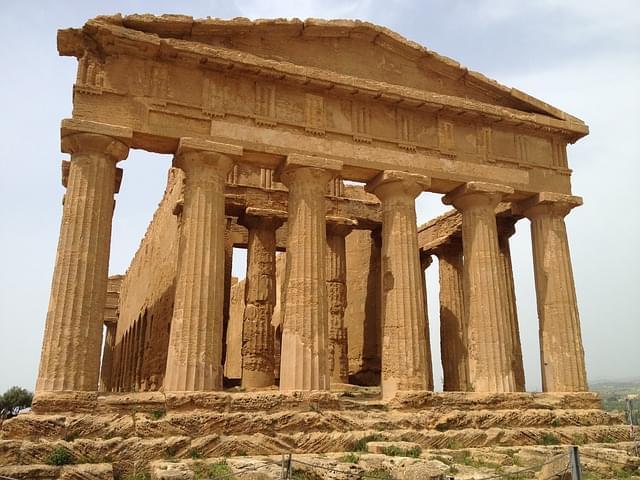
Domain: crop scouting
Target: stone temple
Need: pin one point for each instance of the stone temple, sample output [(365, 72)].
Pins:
[(306, 143)]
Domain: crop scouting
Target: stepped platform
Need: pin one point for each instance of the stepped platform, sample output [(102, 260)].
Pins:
[(128, 432)]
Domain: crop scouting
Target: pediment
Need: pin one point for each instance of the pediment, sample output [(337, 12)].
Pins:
[(353, 49)]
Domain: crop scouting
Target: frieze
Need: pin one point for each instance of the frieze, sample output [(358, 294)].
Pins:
[(237, 97)]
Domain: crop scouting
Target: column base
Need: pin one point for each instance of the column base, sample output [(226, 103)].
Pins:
[(64, 401), (256, 379)]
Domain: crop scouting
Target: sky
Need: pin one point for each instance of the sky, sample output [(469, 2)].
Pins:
[(580, 56)]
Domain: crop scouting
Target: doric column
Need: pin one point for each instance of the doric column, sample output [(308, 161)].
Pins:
[(70, 358), (506, 229), (304, 364), (337, 230), (561, 352), (405, 350), (453, 329), (489, 344), (260, 296), (107, 358), (194, 359)]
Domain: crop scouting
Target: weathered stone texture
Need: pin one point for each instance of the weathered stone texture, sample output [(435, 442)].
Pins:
[(406, 355), (148, 291), (453, 323), (194, 358), (71, 347), (303, 361), (489, 344), (260, 297), (561, 352), (362, 314)]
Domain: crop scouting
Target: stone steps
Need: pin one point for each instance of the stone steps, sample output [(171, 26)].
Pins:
[(130, 431), (202, 423), (135, 449)]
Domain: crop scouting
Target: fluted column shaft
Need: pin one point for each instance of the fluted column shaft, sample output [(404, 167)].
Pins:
[(304, 364), (70, 358), (337, 299), (106, 370), (506, 229), (194, 359), (453, 328), (260, 297), (489, 346), (561, 351), (405, 346)]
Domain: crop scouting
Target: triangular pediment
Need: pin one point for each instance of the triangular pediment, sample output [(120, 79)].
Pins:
[(354, 50)]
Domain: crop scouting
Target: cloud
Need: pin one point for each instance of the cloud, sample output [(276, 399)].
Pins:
[(303, 8)]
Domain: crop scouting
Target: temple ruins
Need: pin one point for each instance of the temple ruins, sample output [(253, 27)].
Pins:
[(306, 143)]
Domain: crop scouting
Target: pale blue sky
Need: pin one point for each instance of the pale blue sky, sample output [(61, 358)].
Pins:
[(581, 56)]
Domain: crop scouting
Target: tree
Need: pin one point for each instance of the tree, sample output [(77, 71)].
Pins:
[(13, 400)]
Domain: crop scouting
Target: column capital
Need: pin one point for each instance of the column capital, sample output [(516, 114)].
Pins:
[(313, 168), (86, 137), (340, 226), (394, 182), (477, 194), (262, 218), (546, 203), (199, 151)]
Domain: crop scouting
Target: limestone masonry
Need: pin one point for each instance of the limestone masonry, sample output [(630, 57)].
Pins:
[(306, 143)]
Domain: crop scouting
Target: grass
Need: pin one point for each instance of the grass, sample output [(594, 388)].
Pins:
[(393, 451), (464, 458), (453, 445), (351, 458), (137, 476), (70, 437), (549, 439), (380, 474), (212, 471), (195, 454), (361, 445), (170, 452), (303, 475), (157, 414), (579, 439), (59, 456)]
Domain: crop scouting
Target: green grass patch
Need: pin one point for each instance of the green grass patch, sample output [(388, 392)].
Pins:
[(350, 458), (59, 456), (304, 475), (379, 474), (393, 451), (137, 476), (361, 445), (211, 471), (157, 414), (549, 439)]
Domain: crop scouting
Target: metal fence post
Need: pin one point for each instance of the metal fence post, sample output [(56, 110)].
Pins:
[(574, 460)]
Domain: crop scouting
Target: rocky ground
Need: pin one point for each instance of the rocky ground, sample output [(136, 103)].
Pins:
[(337, 435)]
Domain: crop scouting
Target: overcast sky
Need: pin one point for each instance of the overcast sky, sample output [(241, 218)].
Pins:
[(580, 56)]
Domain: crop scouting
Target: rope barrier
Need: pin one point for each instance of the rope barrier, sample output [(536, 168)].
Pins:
[(603, 459)]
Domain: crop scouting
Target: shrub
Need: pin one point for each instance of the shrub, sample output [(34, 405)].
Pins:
[(157, 414), (195, 454), (549, 439), (380, 474), (394, 451), (361, 445), (59, 456), (351, 458)]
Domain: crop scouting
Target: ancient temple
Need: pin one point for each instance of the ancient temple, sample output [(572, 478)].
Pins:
[(313, 139)]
